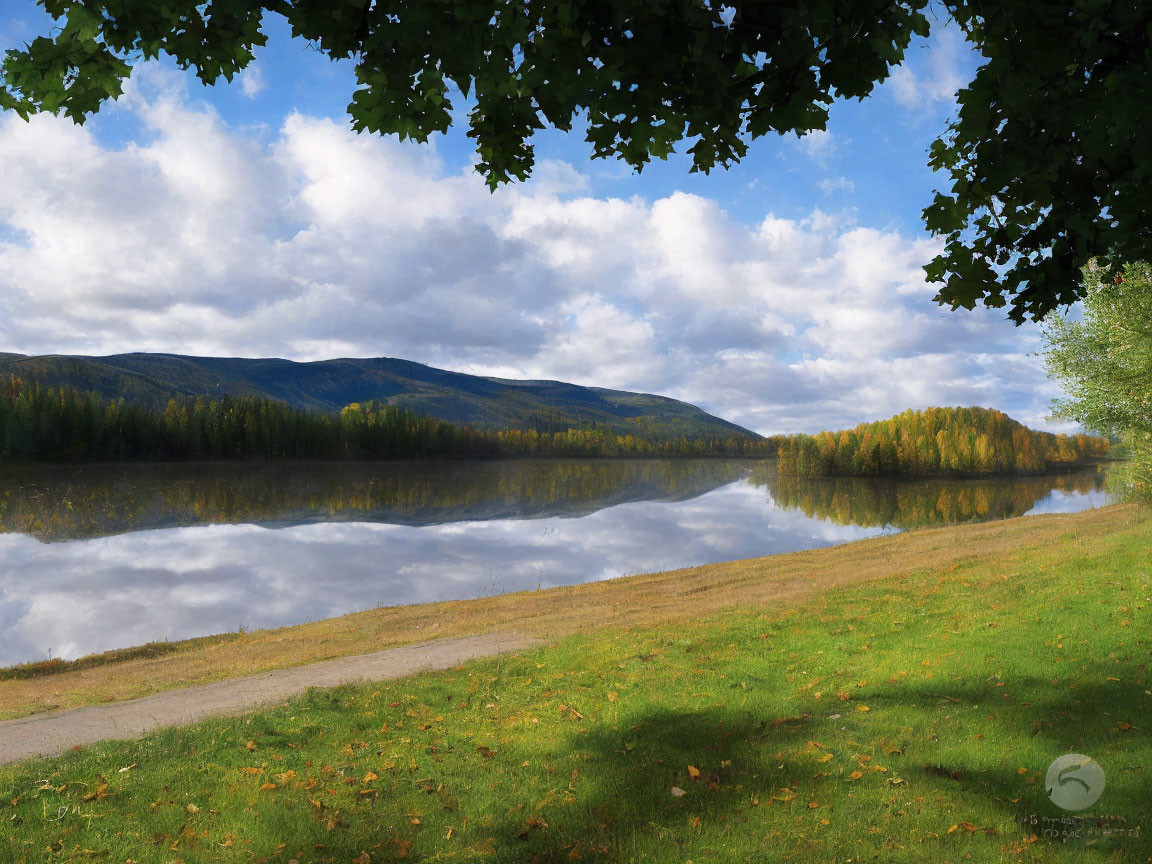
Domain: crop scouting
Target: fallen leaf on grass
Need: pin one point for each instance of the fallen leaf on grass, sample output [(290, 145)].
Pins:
[(267, 787), (941, 771), (98, 795), (530, 825), (677, 792), (693, 771)]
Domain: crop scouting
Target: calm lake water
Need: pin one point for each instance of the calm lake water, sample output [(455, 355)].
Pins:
[(93, 558)]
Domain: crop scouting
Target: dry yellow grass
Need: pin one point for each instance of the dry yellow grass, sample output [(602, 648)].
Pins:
[(773, 581)]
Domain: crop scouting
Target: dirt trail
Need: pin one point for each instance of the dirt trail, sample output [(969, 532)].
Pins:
[(55, 732)]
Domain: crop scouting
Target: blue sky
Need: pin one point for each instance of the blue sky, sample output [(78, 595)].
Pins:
[(248, 220)]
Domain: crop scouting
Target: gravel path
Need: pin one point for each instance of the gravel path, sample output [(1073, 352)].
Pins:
[(51, 733)]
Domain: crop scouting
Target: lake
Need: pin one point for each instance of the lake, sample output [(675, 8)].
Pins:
[(101, 557)]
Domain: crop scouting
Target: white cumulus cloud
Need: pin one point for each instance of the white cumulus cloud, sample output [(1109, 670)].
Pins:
[(309, 241), (933, 71)]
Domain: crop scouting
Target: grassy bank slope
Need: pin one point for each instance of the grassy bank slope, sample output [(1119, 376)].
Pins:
[(911, 718), (645, 600)]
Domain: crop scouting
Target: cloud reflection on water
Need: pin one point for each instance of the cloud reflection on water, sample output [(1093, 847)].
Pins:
[(67, 599)]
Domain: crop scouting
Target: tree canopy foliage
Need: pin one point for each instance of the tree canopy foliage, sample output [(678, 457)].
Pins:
[(1104, 363), (947, 441), (1048, 157)]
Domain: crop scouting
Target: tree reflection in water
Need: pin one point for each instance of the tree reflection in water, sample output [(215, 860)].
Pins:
[(67, 503)]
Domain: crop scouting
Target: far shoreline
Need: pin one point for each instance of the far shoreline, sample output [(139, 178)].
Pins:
[(1054, 470)]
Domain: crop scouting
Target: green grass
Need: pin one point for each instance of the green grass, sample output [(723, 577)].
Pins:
[(904, 720)]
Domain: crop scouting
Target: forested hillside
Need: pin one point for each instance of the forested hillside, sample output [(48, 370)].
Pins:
[(49, 424), (937, 441), (151, 380), (39, 424)]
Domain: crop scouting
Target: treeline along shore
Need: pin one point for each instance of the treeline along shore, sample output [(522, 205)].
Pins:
[(938, 441), (39, 424), (49, 424)]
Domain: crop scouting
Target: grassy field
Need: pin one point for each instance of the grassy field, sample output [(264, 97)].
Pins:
[(909, 718)]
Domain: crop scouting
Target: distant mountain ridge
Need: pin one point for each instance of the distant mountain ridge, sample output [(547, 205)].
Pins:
[(329, 385)]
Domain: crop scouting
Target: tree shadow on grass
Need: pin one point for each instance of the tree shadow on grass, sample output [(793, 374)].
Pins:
[(608, 792), (758, 777), (606, 795), (622, 800)]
